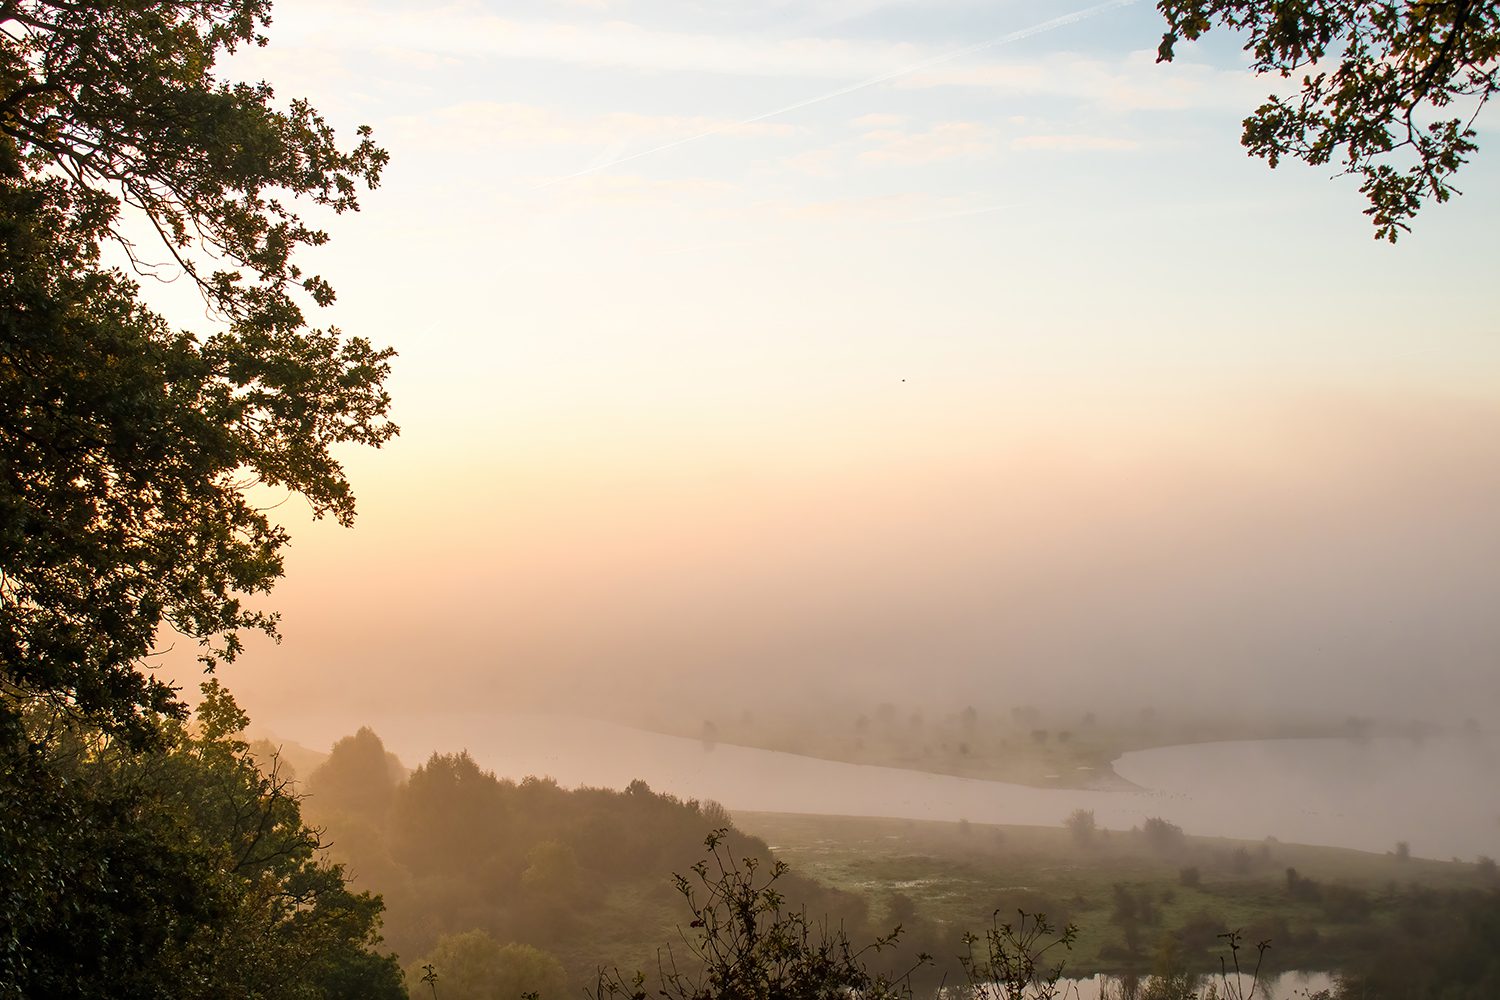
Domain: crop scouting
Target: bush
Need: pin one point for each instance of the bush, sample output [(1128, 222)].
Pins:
[(1015, 961), (1080, 823), (474, 966), (1161, 835), (743, 943)]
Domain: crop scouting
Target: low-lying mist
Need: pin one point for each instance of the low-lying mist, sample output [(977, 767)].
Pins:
[(1322, 558)]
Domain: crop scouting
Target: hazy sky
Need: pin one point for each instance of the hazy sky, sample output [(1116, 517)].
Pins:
[(940, 348)]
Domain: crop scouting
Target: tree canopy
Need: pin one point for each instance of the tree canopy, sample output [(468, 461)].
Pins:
[(185, 871), (1389, 90), (128, 449)]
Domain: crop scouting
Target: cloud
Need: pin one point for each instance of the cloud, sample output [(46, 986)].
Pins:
[(498, 123), (602, 43), (878, 120), (823, 162), (885, 207), (1134, 82), (943, 141), (1074, 143), (634, 189)]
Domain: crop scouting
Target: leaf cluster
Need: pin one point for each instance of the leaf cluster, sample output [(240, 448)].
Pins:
[(130, 452), (1014, 963), (180, 871), (1380, 82)]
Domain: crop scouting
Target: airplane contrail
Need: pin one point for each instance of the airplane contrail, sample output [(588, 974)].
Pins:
[(989, 43)]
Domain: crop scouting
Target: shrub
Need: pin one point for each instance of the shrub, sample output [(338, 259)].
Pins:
[(1080, 823), (1161, 835), (742, 942)]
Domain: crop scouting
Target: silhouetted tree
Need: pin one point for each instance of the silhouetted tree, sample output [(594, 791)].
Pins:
[(129, 447), (1378, 87)]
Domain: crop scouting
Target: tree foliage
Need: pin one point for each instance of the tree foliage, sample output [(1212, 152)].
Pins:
[(128, 449), (1389, 89), (183, 871), (474, 966), (1014, 963)]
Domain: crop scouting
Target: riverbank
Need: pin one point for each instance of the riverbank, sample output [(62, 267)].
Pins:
[(1031, 749), (1125, 890)]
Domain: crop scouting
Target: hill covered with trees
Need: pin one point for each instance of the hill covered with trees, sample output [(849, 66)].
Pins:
[(585, 875)]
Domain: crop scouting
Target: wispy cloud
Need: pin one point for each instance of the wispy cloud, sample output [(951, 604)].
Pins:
[(634, 189), (1133, 81), (505, 123), (1040, 28), (879, 120), (943, 141), (1074, 143), (611, 43)]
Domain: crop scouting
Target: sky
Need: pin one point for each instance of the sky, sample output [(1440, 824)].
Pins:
[(944, 351)]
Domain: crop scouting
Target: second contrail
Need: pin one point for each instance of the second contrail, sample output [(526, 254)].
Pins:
[(1014, 36)]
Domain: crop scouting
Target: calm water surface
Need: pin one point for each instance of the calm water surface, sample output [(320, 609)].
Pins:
[(1439, 795)]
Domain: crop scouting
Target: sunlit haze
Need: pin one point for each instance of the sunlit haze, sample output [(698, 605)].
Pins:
[(947, 353)]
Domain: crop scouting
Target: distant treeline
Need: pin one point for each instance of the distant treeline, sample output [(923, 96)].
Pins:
[(583, 875), (498, 887)]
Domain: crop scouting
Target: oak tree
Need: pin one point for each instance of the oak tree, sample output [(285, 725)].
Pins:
[(1388, 90), (129, 449)]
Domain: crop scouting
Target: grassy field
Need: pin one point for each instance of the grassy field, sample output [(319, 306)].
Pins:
[(1124, 893)]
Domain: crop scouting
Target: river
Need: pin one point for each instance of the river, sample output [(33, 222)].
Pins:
[(1439, 795)]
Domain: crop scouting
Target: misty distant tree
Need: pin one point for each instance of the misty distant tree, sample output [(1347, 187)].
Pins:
[(551, 871), (1080, 825), (1403, 851), (450, 812), (359, 778), (1161, 835), (1129, 912), (1302, 888)]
